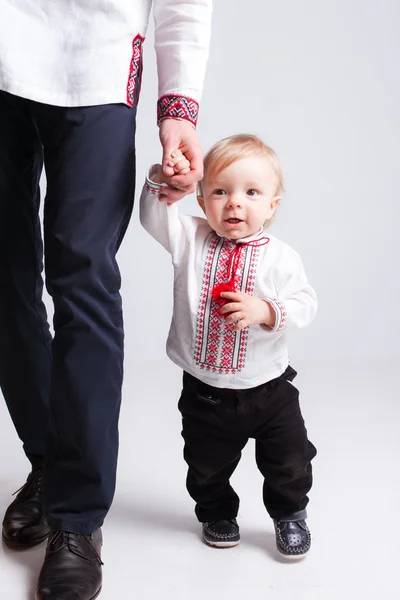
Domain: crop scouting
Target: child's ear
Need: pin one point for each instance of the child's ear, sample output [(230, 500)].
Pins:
[(274, 205), (200, 200)]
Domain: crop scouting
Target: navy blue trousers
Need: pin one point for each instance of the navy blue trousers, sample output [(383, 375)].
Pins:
[(64, 393)]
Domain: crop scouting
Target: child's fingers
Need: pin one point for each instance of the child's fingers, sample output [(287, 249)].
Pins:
[(236, 296), (174, 161), (182, 165), (182, 171), (231, 307), (179, 163), (175, 157), (235, 318), (242, 324)]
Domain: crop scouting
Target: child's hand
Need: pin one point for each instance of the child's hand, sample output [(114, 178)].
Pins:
[(179, 163), (181, 166), (246, 310)]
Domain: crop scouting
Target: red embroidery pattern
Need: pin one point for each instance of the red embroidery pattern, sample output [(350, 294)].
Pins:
[(218, 348), (205, 299), (229, 360), (135, 70), (173, 106), (218, 330), (248, 283), (153, 190)]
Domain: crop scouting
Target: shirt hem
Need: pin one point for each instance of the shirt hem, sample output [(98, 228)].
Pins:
[(97, 98), (276, 369)]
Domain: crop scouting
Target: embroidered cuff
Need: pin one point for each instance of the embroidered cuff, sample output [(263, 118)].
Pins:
[(173, 106), (150, 185), (280, 313)]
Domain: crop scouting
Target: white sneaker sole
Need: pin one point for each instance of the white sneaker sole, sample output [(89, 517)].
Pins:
[(220, 544), (293, 557)]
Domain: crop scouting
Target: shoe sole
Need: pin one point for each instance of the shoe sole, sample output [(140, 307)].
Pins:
[(13, 545), (292, 556), (220, 544)]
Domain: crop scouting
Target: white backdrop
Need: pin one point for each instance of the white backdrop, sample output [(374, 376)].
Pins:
[(318, 80)]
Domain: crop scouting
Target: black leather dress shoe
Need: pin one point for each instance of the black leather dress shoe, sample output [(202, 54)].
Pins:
[(72, 567), (24, 524)]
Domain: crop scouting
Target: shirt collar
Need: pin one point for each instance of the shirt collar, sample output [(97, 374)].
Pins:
[(250, 238)]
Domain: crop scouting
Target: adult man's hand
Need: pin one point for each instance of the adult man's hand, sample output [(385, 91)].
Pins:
[(180, 135)]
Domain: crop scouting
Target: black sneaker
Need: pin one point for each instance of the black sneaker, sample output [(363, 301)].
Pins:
[(223, 533), (293, 538)]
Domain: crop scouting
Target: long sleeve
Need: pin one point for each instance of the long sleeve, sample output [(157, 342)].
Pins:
[(295, 304), (182, 39), (162, 222)]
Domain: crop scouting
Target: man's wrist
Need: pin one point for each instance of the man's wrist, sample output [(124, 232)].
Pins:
[(192, 125)]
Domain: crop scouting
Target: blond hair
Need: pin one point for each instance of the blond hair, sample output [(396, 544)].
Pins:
[(235, 147)]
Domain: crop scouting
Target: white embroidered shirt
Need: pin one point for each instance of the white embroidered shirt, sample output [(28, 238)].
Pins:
[(200, 341)]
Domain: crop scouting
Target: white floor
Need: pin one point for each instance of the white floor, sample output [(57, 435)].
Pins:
[(152, 546)]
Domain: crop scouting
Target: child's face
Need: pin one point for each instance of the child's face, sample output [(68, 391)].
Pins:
[(239, 199)]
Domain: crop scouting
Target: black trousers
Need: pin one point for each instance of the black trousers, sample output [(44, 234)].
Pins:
[(217, 424), (64, 394)]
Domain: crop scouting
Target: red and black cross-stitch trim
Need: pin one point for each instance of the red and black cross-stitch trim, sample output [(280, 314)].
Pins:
[(173, 106), (217, 347), (135, 71)]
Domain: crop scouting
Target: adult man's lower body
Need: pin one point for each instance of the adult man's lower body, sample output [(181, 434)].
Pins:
[(64, 394)]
